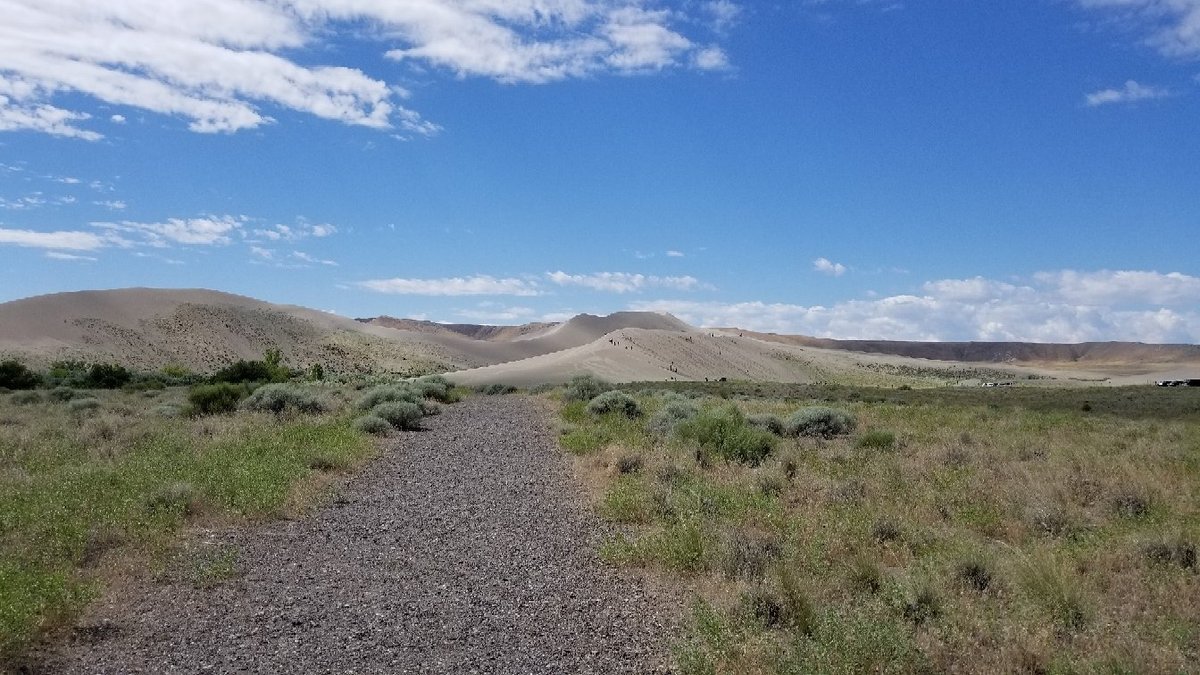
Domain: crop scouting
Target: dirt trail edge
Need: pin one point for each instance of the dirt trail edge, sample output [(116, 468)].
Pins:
[(463, 548)]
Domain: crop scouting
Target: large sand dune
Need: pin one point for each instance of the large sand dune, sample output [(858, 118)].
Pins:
[(205, 330)]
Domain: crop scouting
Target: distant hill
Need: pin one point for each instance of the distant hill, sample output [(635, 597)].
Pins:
[(1085, 353), (470, 330)]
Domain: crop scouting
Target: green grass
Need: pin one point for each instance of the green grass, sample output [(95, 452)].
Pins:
[(122, 479), (1010, 529)]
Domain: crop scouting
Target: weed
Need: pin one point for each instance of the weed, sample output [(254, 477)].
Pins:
[(747, 554), (1168, 550), (975, 573), (923, 604), (1131, 504), (866, 575), (885, 530), (495, 389)]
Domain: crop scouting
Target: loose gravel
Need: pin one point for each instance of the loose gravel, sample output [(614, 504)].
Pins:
[(464, 548)]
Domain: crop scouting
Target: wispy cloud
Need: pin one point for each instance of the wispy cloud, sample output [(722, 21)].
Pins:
[(59, 255), (112, 204), (204, 231), (826, 266), (61, 240), (220, 63), (675, 254), (1171, 26), (1129, 93), (295, 232), (1061, 306), (300, 255), (624, 282), (481, 284)]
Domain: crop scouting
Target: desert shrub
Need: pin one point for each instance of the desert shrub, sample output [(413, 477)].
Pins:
[(385, 393), (1177, 550), (724, 432), (766, 422), (976, 573), (495, 389), (252, 371), (26, 398), (876, 440), (819, 421), (671, 415), (278, 398), (585, 387), (764, 606), (629, 464), (62, 394), (214, 399), (435, 387), (400, 414), (372, 424), (866, 575), (15, 375), (1130, 503), (542, 388), (166, 410), (79, 405), (747, 554), (885, 530), (107, 376), (615, 401), (922, 604), (178, 496)]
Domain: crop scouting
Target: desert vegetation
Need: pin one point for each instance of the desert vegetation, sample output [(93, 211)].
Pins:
[(102, 469), (837, 529)]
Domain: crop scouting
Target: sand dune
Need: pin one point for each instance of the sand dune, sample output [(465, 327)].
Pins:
[(205, 330)]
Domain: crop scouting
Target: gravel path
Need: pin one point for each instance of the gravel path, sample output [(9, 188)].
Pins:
[(462, 549)]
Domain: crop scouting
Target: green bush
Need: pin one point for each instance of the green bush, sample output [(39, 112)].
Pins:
[(876, 440), (435, 387), (585, 388), (819, 421), (615, 401), (26, 398), (14, 375), (670, 416), (400, 414), (278, 398), (766, 422), (385, 393), (252, 371), (372, 424), (107, 376), (83, 405), (724, 432), (62, 394), (214, 399)]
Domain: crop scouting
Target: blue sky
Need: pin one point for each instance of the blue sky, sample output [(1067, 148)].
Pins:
[(844, 168)]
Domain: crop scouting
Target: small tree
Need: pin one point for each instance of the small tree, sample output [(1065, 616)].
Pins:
[(14, 375)]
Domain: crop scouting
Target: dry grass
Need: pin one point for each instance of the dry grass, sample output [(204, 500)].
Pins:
[(978, 538)]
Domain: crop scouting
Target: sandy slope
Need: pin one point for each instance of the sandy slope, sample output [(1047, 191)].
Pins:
[(204, 330)]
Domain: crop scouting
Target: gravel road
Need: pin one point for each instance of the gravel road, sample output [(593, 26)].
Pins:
[(464, 548)]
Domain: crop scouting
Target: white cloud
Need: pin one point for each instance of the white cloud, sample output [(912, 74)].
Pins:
[(26, 203), (723, 13), (62, 241), (264, 253), (1064, 306), (112, 204), (675, 254), (295, 232), (223, 64), (1132, 91), (826, 266), (1173, 26), (481, 284), (206, 231), (58, 255), (623, 282), (299, 255), (492, 312)]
